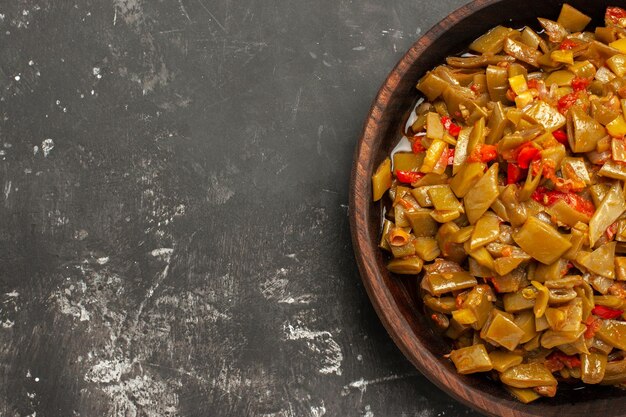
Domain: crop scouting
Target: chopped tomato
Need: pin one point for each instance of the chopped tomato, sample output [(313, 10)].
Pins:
[(567, 45), (613, 15), (483, 153), (611, 231), (417, 146), (548, 197), (579, 83), (452, 128), (532, 83), (593, 324), (526, 154), (514, 174), (507, 251), (474, 88), (607, 313), (566, 102), (557, 360), (510, 95), (560, 136), (450, 156), (408, 177)]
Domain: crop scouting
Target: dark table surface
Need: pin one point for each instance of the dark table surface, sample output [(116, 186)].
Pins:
[(173, 217)]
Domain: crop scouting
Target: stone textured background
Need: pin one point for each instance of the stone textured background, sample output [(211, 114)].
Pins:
[(173, 209)]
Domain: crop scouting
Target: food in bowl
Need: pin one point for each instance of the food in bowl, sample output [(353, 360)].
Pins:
[(506, 199)]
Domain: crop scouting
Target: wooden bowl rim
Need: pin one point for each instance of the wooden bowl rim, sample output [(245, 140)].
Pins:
[(383, 301)]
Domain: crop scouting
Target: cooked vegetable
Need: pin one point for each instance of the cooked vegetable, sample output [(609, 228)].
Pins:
[(510, 207)]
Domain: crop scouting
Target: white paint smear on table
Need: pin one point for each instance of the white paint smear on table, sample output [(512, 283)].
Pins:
[(320, 342)]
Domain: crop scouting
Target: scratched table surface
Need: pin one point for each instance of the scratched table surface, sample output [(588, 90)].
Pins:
[(174, 238)]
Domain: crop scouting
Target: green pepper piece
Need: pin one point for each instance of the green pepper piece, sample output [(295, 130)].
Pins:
[(552, 338), (492, 41), (612, 206), (561, 78), (437, 284), (502, 331), (545, 115), (497, 124), (471, 359), (460, 150), (381, 180), (522, 52), (445, 216), (593, 367), (387, 226), (528, 375), (504, 360), (516, 301), (440, 304), (444, 199), (432, 86), (486, 231), (526, 321), (482, 195), (479, 302), (422, 224), (516, 213), (426, 248), (583, 132), (612, 169), (572, 19), (406, 266), (613, 332), (615, 373), (566, 214), (467, 176), (541, 241), (477, 61), (523, 395), (601, 261), (455, 96), (407, 161), (497, 83), (555, 31)]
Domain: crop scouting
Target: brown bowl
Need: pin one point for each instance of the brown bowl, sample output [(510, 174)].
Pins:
[(391, 295)]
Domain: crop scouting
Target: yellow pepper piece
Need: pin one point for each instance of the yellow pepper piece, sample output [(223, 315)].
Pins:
[(433, 154), (518, 84), (619, 44), (523, 99), (617, 128), (565, 57)]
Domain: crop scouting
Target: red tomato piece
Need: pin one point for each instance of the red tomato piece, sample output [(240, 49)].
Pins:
[(560, 136), (514, 174), (526, 154), (614, 14), (566, 102), (408, 177), (607, 313), (579, 83), (417, 146), (548, 197), (567, 45)]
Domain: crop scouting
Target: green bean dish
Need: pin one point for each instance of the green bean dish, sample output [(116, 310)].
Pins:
[(505, 200)]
